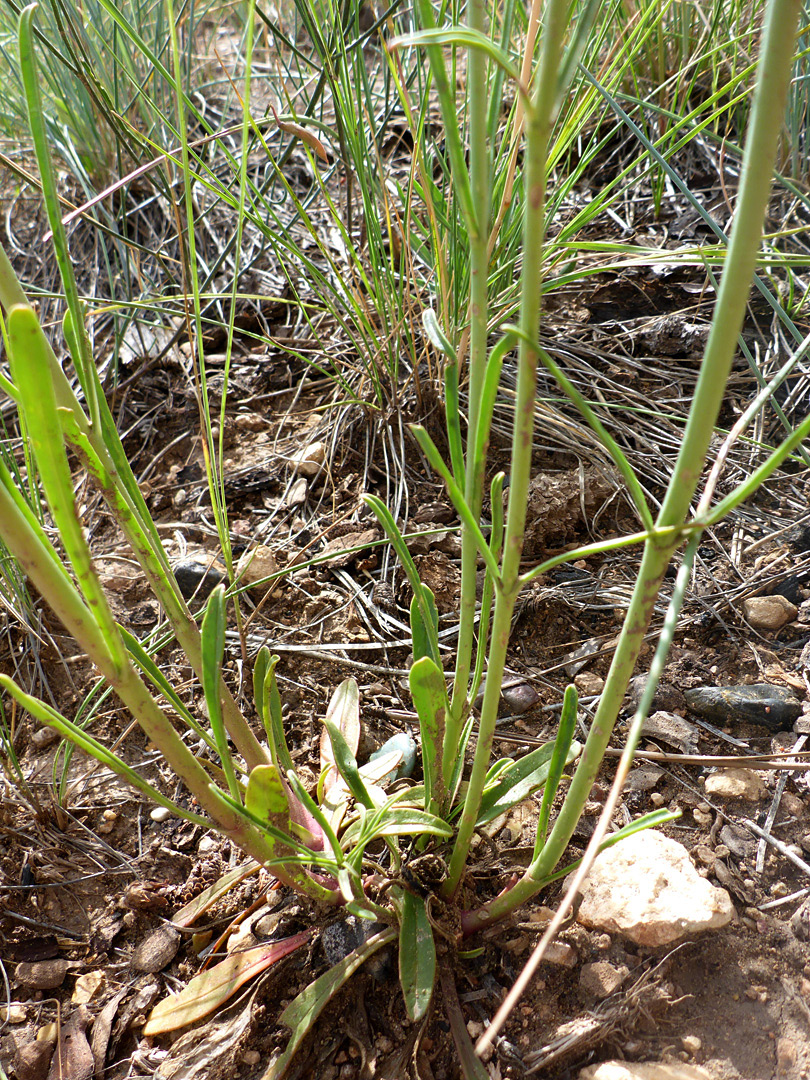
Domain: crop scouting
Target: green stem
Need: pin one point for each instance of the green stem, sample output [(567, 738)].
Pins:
[(103, 457), (40, 564), (768, 110), (538, 130)]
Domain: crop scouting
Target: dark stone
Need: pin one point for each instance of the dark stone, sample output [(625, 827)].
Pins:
[(773, 707), (344, 936), (197, 579)]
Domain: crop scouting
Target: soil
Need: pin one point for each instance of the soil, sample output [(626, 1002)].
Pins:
[(89, 872)]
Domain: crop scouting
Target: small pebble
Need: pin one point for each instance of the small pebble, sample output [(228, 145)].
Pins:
[(786, 1055), (793, 805), (589, 683), (769, 612), (157, 950), (562, 954), (107, 823), (735, 784), (251, 1057), (13, 1014), (691, 1044), (43, 737), (41, 975)]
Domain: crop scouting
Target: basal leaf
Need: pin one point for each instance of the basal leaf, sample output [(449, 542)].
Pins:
[(417, 956), (304, 1010), (429, 693), (208, 990), (344, 713)]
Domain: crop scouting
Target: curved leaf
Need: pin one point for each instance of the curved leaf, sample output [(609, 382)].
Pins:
[(208, 990)]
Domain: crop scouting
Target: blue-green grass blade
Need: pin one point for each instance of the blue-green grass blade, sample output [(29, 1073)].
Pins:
[(82, 356), (213, 648)]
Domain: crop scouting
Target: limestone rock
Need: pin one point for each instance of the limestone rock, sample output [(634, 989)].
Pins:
[(646, 889), (735, 784), (589, 683), (769, 612), (669, 728), (643, 1070)]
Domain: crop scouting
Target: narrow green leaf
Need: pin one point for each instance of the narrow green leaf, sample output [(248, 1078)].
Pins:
[(562, 746), (453, 420), (417, 956), (30, 368), (312, 808), (431, 452), (346, 765), (304, 1010), (272, 717), (463, 36), (429, 693), (344, 712), (148, 666), (260, 668), (422, 637), (489, 394), (400, 547), (213, 648), (74, 320), (528, 774), (436, 335), (403, 821)]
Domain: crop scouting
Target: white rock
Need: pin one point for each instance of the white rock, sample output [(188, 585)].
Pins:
[(308, 461), (769, 612), (646, 889), (643, 1070), (735, 784)]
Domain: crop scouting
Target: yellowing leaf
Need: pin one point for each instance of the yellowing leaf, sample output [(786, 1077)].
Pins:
[(208, 990), (302, 133)]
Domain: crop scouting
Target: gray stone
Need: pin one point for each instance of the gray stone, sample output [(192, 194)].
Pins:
[(41, 974), (775, 707), (673, 730)]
